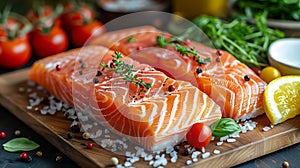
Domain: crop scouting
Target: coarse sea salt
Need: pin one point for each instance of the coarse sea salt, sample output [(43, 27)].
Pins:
[(267, 128), (224, 138), (203, 150), (188, 162), (195, 154), (127, 164), (230, 140), (174, 159), (219, 143), (195, 160), (205, 155), (119, 166), (216, 151), (148, 157)]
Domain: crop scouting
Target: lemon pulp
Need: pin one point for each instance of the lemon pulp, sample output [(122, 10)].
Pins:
[(282, 99)]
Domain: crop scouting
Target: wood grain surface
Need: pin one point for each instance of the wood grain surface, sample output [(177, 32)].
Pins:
[(54, 128)]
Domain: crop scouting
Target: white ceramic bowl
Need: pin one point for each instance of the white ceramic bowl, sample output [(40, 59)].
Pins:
[(284, 54)]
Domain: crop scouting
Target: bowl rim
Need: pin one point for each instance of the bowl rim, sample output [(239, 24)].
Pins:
[(283, 24), (274, 59)]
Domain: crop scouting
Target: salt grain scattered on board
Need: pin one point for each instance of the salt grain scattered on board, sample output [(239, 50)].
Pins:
[(216, 151), (158, 160)]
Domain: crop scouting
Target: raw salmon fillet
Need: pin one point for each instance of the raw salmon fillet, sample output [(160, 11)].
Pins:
[(222, 78), (154, 119)]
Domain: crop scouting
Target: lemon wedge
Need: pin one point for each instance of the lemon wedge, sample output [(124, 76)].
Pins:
[(282, 99)]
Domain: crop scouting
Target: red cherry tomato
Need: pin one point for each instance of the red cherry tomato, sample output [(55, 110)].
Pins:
[(14, 53), (199, 135), (77, 14), (80, 34), (45, 44)]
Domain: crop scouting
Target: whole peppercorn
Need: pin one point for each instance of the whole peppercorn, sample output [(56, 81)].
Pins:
[(23, 155), (199, 70), (59, 159), (187, 41), (171, 88), (2, 135), (114, 161), (70, 135), (186, 152), (112, 65), (285, 164), (219, 52), (99, 73), (39, 153), (176, 148), (86, 135), (96, 80), (58, 67), (17, 132), (29, 159), (139, 48), (89, 145), (246, 77)]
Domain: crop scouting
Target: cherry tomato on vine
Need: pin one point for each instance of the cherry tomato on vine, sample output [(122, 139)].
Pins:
[(77, 14), (199, 135), (45, 16), (81, 33), (49, 43), (36, 14), (14, 53)]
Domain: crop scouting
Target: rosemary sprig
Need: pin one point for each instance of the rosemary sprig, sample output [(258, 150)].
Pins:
[(183, 50), (125, 71)]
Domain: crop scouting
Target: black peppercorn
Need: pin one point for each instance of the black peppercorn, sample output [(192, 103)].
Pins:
[(176, 148), (246, 77), (96, 80), (99, 73), (186, 152), (199, 70), (70, 135)]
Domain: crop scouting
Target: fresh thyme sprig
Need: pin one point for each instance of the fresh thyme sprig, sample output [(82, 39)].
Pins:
[(131, 39), (125, 71), (183, 50)]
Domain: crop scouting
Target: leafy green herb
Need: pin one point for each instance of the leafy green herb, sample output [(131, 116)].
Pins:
[(126, 71), (131, 39), (276, 9), (183, 50), (248, 43), (223, 127), (20, 144)]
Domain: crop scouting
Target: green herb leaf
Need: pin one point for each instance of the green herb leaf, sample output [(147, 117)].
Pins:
[(20, 144), (183, 50), (224, 126), (130, 39), (126, 71), (247, 42)]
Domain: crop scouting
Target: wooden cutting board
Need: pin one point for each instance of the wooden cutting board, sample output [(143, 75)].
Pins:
[(54, 128)]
